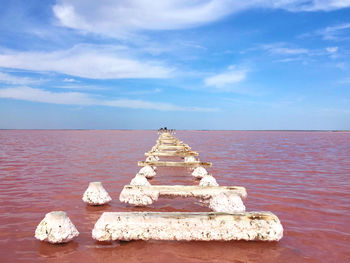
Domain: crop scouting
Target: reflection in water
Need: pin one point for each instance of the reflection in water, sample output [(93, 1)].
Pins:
[(303, 177), (47, 250)]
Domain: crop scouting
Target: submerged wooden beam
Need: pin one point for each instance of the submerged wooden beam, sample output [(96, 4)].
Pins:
[(171, 153), (250, 226), (175, 164)]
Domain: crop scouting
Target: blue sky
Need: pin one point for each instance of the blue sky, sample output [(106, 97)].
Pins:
[(199, 64)]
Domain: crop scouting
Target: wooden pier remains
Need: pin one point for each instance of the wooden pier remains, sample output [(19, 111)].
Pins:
[(228, 221)]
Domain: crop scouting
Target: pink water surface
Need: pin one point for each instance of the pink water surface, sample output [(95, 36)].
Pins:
[(302, 177)]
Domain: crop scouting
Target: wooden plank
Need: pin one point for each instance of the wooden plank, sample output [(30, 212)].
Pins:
[(187, 190), (172, 153), (170, 142), (218, 198), (175, 164), (205, 226), (172, 147)]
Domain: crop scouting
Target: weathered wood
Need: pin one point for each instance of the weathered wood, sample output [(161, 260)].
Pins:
[(175, 164), (172, 153), (262, 226), (172, 147), (169, 141), (172, 144), (196, 191)]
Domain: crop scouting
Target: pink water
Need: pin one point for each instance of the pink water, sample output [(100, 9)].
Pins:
[(302, 177)]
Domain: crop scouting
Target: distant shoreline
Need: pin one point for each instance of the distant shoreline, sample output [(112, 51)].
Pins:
[(176, 130)]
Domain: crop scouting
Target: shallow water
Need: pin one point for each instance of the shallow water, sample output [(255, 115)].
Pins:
[(302, 177)]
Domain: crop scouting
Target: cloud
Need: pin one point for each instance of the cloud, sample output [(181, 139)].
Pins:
[(119, 18), (143, 92), (332, 49), (284, 49), (16, 80), (335, 32), (69, 80), (313, 5), (225, 79), (84, 99), (87, 61)]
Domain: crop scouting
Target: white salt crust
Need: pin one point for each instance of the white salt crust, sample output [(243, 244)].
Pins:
[(139, 179), (199, 172), (95, 194), (208, 180), (263, 226), (147, 171), (190, 159), (226, 203), (56, 228), (138, 196)]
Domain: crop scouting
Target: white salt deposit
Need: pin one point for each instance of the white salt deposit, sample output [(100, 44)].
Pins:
[(139, 179), (263, 226), (226, 203), (96, 194), (199, 172), (208, 180), (138, 196), (147, 171), (190, 159), (56, 228)]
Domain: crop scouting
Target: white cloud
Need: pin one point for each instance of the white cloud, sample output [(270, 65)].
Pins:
[(87, 61), (313, 5), (84, 99), (119, 18), (16, 80), (69, 80), (225, 79), (332, 49), (335, 32), (284, 49)]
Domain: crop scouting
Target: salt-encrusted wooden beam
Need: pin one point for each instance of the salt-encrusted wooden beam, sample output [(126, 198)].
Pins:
[(175, 164), (142, 195), (249, 226), (172, 153), (169, 141), (171, 147)]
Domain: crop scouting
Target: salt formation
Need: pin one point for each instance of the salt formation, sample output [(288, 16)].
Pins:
[(190, 159), (208, 180), (96, 194), (139, 179), (226, 203), (199, 172), (138, 196), (56, 228), (147, 171), (263, 226)]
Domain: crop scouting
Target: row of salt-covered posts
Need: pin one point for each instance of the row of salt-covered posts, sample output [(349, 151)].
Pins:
[(228, 221)]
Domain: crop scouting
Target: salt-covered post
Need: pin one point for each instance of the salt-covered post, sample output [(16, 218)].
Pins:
[(139, 179), (199, 172), (95, 194), (208, 180), (56, 228), (147, 171)]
